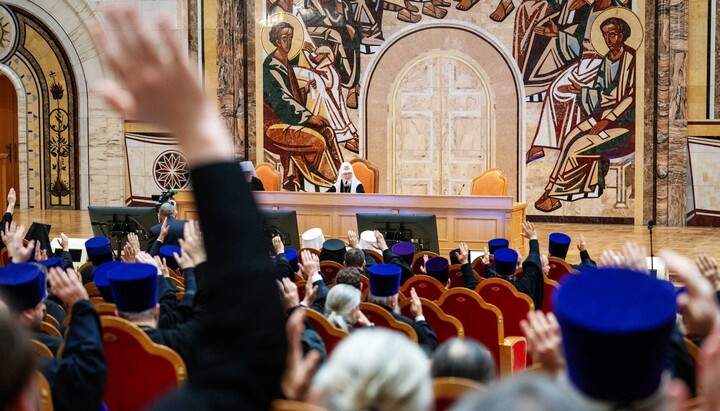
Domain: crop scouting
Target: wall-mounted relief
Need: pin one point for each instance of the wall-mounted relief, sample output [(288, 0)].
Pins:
[(155, 164), (435, 92)]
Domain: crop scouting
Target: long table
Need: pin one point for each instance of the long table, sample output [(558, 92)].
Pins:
[(472, 219)]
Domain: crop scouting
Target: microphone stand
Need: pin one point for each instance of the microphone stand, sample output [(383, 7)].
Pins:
[(652, 256)]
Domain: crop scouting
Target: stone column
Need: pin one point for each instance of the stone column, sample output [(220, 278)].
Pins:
[(671, 82)]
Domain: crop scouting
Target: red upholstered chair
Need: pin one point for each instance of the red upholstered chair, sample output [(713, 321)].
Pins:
[(559, 268), (365, 282), (382, 318), (550, 287), (139, 371), (479, 267), (368, 174), (375, 255), (448, 390), (513, 305), (425, 287), (484, 323), (301, 289), (445, 326), (456, 277), (418, 260), (330, 269), (330, 334)]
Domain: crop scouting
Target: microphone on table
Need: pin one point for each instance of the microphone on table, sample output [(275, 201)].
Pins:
[(650, 225), (461, 189)]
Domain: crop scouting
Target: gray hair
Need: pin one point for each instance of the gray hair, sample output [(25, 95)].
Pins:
[(526, 392), (384, 301), (341, 301), (167, 210), (464, 358), (375, 369), (147, 315)]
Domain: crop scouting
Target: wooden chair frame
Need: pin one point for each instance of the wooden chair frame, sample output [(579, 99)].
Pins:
[(329, 269), (375, 255), (498, 174), (549, 285), (45, 402), (49, 329), (92, 290), (559, 262), (508, 346), (421, 281), (454, 388), (417, 261), (41, 350), (369, 166), (277, 180), (290, 405), (396, 325), (51, 320), (317, 318), (428, 305), (105, 309)]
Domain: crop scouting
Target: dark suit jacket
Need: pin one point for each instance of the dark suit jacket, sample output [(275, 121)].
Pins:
[(256, 185), (531, 283), (175, 232), (427, 339), (239, 348), (586, 263), (391, 258), (78, 380)]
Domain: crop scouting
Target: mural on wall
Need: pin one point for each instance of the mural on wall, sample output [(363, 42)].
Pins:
[(578, 61), (47, 146)]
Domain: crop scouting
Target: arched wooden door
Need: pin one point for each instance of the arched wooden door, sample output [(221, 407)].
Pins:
[(9, 172)]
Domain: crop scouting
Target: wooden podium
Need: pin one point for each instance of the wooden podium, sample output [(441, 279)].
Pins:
[(472, 219)]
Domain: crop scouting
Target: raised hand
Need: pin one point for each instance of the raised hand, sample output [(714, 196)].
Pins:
[(164, 229), (11, 199), (64, 242), (528, 230), (299, 370), (415, 304), (128, 253), (134, 242), (379, 243), (310, 293), (611, 259), (697, 304), (21, 252), (353, 239), (278, 245), (423, 269), (160, 85), (635, 256), (544, 340), (486, 256), (192, 243), (464, 254), (288, 294), (145, 258), (581, 243), (310, 264), (162, 265), (67, 285), (708, 268)]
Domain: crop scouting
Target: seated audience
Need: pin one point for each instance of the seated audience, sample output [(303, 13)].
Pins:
[(463, 358), (351, 276), (286, 260), (17, 388), (77, 381), (357, 376), (168, 230), (558, 244), (342, 308), (384, 287)]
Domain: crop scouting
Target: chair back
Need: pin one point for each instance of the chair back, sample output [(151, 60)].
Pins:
[(41, 350), (375, 255), (513, 305), (479, 267), (490, 183), (480, 320), (382, 318), (51, 320), (92, 290), (139, 371), (290, 405), (559, 268), (425, 287), (330, 269), (448, 390), (456, 276), (103, 309), (312, 250), (330, 334), (445, 326), (49, 329), (550, 287), (45, 402), (368, 174), (365, 282), (419, 260), (178, 283), (301, 289), (269, 176)]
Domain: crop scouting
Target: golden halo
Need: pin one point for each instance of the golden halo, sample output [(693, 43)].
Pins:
[(625, 14), (298, 38)]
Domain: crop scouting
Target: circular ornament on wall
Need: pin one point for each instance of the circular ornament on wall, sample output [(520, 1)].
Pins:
[(8, 33), (171, 170)]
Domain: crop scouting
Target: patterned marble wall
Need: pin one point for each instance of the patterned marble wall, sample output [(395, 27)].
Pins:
[(559, 54)]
